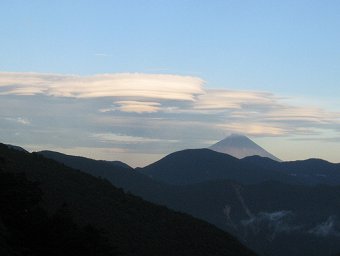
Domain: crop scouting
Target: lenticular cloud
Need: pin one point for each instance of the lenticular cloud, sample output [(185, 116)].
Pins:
[(155, 86)]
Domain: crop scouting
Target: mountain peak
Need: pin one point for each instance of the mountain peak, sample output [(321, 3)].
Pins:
[(240, 146), (236, 135)]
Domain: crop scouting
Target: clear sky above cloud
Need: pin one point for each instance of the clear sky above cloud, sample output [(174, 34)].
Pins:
[(134, 80)]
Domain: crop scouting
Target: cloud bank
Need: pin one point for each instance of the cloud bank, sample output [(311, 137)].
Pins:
[(160, 111)]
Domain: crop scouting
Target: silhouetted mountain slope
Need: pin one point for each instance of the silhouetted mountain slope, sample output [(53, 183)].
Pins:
[(120, 164), (16, 148), (273, 218), (181, 198), (26, 228), (118, 173), (134, 226), (260, 161), (310, 171), (240, 146), (79, 162), (198, 165)]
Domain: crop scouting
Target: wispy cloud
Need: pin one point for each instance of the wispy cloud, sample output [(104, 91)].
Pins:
[(121, 138), (253, 128), (320, 139), (229, 99), (138, 106), (102, 55), (18, 120), (273, 223), (327, 228), (133, 106)]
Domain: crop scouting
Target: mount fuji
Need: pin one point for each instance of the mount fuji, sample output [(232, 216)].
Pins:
[(241, 146)]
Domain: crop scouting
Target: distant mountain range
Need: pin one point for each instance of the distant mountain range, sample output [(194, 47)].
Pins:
[(275, 208), (199, 165), (241, 146)]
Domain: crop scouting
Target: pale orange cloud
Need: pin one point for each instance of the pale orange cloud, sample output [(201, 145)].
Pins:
[(155, 86)]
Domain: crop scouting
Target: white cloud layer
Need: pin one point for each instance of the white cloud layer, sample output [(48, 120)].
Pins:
[(250, 112), (154, 86)]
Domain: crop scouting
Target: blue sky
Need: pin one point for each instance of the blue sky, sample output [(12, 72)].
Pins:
[(189, 73)]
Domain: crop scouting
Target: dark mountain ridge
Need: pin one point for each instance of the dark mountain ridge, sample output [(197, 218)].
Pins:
[(198, 165), (16, 148), (120, 175), (133, 226), (310, 171)]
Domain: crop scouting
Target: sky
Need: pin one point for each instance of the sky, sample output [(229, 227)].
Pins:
[(136, 80)]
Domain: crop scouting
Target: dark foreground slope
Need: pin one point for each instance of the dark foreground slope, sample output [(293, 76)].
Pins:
[(27, 229), (133, 226)]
